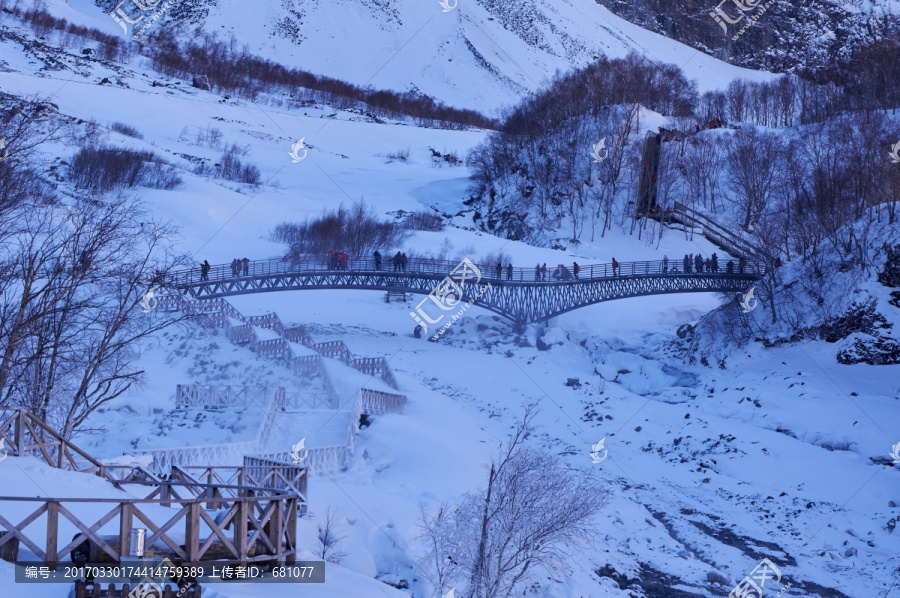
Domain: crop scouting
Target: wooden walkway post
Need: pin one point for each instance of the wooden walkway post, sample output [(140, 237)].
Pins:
[(192, 533), (52, 534), (291, 530), (20, 432), (126, 520), (240, 529)]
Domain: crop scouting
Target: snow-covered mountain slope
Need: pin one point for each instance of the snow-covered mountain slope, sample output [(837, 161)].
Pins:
[(790, 36), (481, 55), (782, 454)]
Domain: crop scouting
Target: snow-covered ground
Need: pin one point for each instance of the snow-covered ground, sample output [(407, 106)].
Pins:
[(483, 55), (781, 453)]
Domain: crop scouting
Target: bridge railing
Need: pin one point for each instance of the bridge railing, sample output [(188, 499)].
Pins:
[(713, 230), (440, 268)]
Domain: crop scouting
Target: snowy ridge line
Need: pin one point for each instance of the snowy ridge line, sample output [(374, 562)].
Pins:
[(317, 459)]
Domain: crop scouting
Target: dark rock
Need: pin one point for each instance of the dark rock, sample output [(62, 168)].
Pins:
[(201, 82), (685, 331)]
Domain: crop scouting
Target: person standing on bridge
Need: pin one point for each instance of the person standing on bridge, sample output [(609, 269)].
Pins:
[(742, 263), (397, 262), (544, 272), (537, 273), (698, 264), (715, 263), (615, 266), (234, 267), (499, 271), (377, 257), (687, 264), (509, 272), (665, 264), (403, 261), (246, 264), (576, 269), (729, 268), (204, 270)]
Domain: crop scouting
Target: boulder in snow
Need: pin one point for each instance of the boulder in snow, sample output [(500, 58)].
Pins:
[(715, 576), (201, 82)]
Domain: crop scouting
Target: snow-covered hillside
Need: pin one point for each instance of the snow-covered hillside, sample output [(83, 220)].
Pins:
[(780, 453), (481, 55)]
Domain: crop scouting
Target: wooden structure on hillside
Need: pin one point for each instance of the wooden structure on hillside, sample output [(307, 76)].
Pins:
[(243, 513)]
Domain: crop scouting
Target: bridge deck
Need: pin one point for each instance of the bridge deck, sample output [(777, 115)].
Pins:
[(520, 294)]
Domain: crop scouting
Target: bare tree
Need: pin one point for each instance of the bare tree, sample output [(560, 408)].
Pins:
[(701, 169), (73, 276), (532, 514), (330, 539), (437, 533), (753, 165)]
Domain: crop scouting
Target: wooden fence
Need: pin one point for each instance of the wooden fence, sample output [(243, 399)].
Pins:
[(262, 499), (24, 434), (319, 458), (195, 396), (220, 313), (263, 522), (335, 349)]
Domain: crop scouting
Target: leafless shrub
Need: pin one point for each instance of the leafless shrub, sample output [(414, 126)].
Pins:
[(356, 230), (232, 168), (424, 221), (160, 176), (402, 155), (330, 540), (210, 137), (126, 129), (240, 73), (102, 169), (493, 258)]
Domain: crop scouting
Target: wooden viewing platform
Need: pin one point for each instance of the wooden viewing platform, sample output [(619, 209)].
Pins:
[(241, 513)]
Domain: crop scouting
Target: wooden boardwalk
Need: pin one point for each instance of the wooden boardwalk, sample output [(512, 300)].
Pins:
[(244, 513)]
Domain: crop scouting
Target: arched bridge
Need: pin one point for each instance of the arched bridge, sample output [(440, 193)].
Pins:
[(519, 294)]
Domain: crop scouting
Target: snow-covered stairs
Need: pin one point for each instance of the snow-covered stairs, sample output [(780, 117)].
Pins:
[(327, 419)]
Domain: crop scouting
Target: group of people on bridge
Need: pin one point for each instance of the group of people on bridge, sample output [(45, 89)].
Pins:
[(400, 261), (240, 265), (340, 260)]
